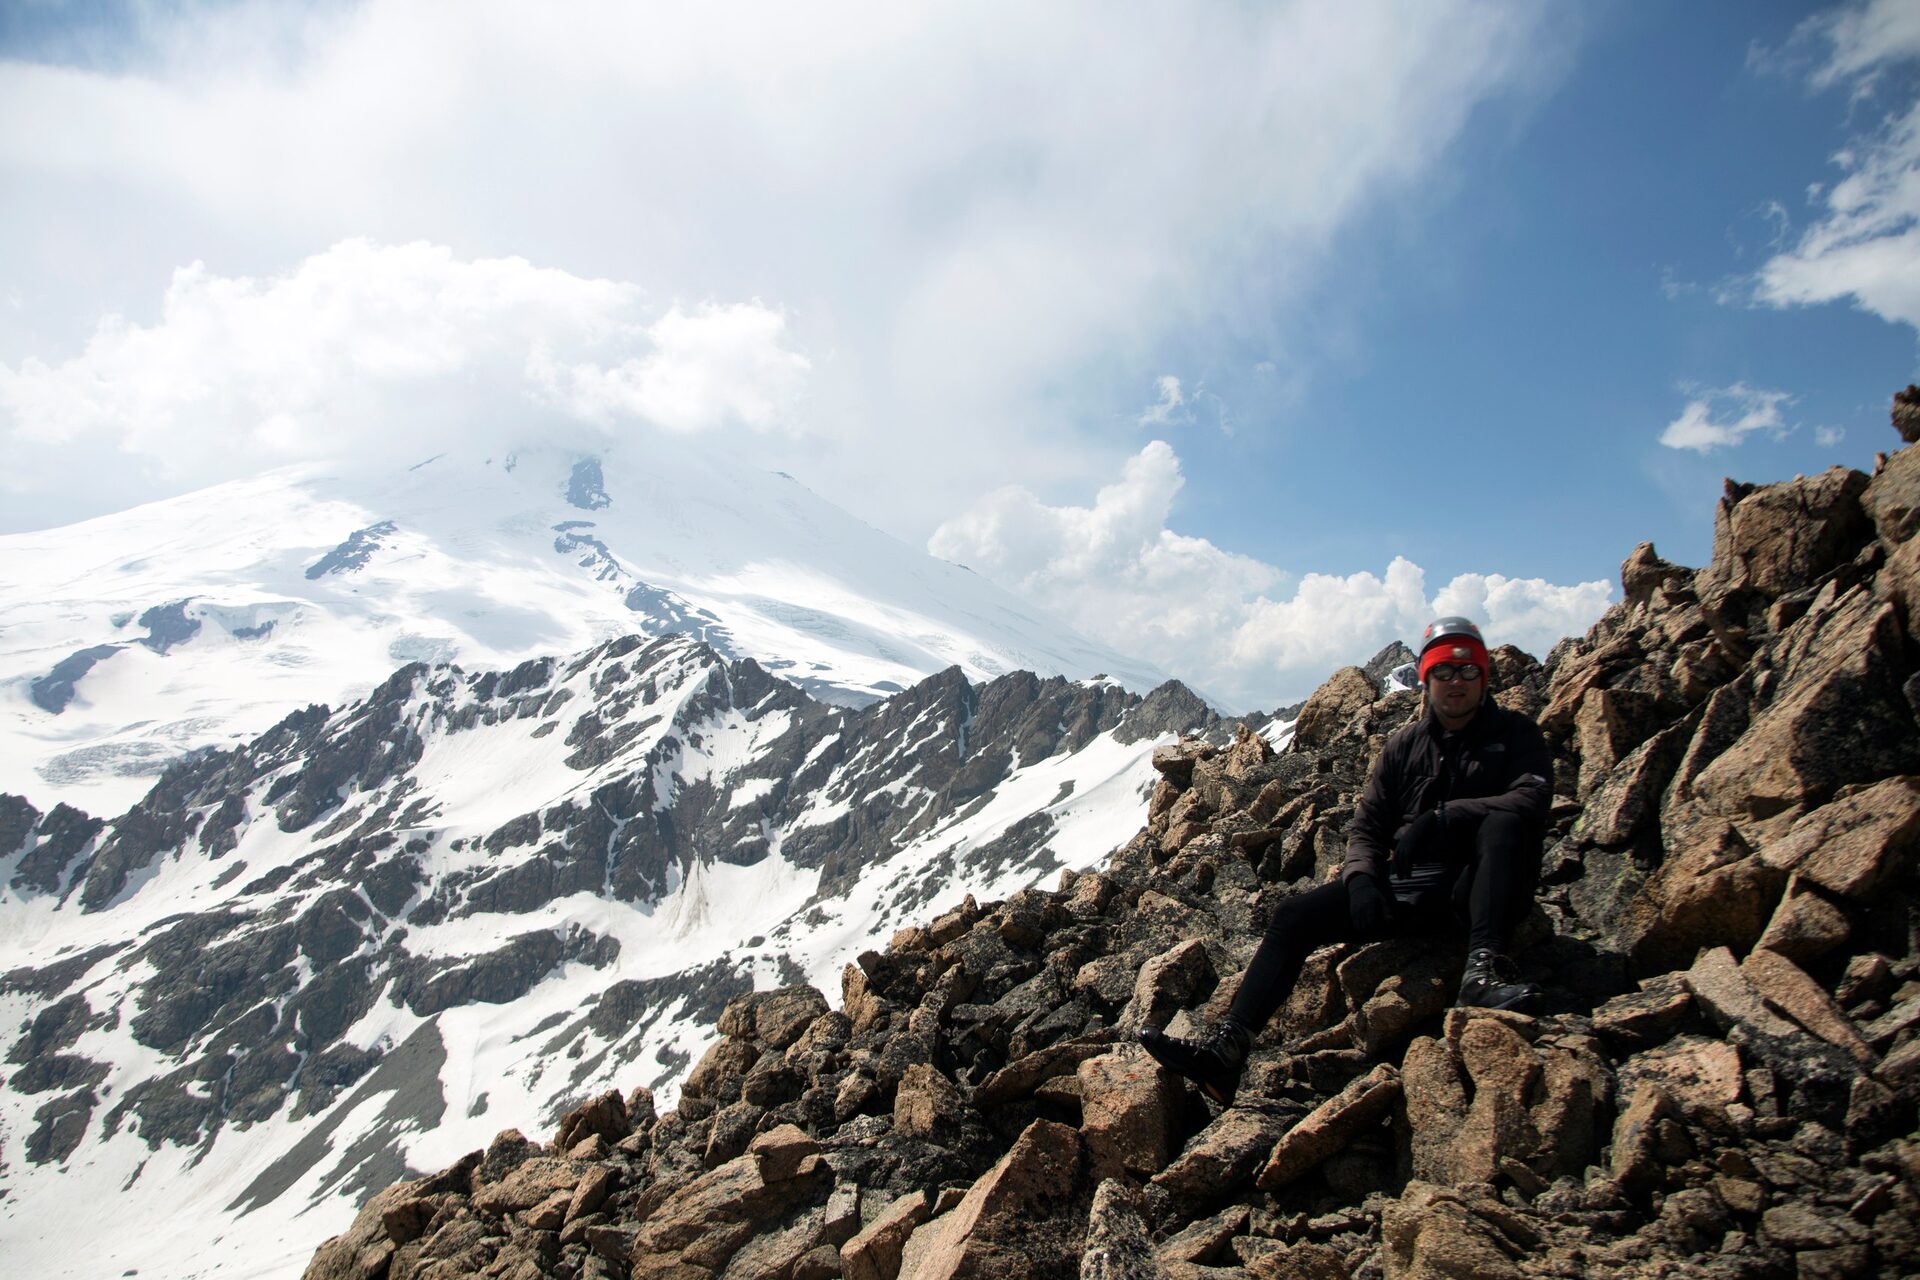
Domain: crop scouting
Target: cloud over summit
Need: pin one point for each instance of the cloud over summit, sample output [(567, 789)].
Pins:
[(1117, 572), (395, 349)]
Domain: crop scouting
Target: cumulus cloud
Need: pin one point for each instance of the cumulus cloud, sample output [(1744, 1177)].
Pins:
[(964, 241), (1116, 571), (1827, 437), (1721, 418), (369, 347), (1866, 245)]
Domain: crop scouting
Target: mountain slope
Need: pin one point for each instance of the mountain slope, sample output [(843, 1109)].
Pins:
[(198, 621), (367, 939)]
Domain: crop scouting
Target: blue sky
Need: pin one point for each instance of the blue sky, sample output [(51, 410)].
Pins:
[(1242, 336)]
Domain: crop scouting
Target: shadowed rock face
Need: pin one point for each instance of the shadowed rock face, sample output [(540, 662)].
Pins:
[(354, 552), (53, 691), (1723, 1082)]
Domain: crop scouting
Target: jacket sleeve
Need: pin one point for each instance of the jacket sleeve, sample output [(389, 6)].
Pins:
[(1529, 794), (1369, 839)]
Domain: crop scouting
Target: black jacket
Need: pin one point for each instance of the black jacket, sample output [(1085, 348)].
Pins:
[(1497, 764)]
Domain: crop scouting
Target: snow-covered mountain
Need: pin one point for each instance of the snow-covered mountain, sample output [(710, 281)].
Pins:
[(368, 940), (130, 640)]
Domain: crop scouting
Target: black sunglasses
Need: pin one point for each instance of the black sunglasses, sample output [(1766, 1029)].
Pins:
[(1447, 673)]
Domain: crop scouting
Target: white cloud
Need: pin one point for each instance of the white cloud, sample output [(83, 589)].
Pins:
[(379, 348), (964, 240), (1723, 417), (1864, 39), (1866, 247), (717, 364), (1117, 572), (1171, 399), (1827, 437)]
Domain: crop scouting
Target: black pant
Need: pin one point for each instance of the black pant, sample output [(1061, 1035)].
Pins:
[(1490, 895)]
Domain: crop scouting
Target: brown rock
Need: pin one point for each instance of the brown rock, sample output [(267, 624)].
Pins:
[(595, 1185), (1175, 761), (1402, 1002), (1127, 1108), (1304, 1261), (1635, 1163), (1708, 894), (364, 1249), (1805, 924), (1728, 998), (408, 1219), (1837, 716), (1108, 979), (1330, 1126), (1787, 989), (1503, 1068), (1781, 537), (783, 1152), (1701, 1076), (707, 1220), (1856, 845), (858, 1000), (1332, 707), (1168, 982), (1892, 497), (1160, 804), (1435, 1094), (1223, 1155), (952, 924), (925, 1101), (1000, 1228), (605, 1116), (1643, 572), (1089, 896), (774, 1017), (1648, 1016), (1609, 724), (1583, 672), (550, 1214), (1430, 1233), (529, 1184), (1117, 1245), (1576, 1094), (1906, 413), (1622, 802), (874, 1254), (718, 1073), (820, 1263), (1901, 1067), (1201, 1242), (1020, 1077)]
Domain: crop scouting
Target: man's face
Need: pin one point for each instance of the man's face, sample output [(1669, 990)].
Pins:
[(1455, 700)]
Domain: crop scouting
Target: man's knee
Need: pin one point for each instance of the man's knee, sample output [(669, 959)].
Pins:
[(1509, 833)]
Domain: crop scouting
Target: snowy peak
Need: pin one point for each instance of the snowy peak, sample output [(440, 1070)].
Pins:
[(197, 622)]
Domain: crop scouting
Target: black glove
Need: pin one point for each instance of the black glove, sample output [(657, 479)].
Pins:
[(1427, 826), (1367, 907)]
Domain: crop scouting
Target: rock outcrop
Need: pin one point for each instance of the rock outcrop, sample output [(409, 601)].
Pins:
[(1723, 1081)]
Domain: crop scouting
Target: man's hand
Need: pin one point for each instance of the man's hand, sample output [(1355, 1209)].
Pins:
[(1427, 826), (1366, 905)]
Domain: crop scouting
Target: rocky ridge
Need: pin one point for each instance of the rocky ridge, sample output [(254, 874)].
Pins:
[(588, 856), (1723, 1081)]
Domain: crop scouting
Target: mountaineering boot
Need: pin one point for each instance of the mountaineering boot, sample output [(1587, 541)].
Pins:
[(1492, 982), (1213, 1061)]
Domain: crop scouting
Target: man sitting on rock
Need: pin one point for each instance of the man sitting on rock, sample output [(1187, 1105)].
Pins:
[(1449, 831)]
